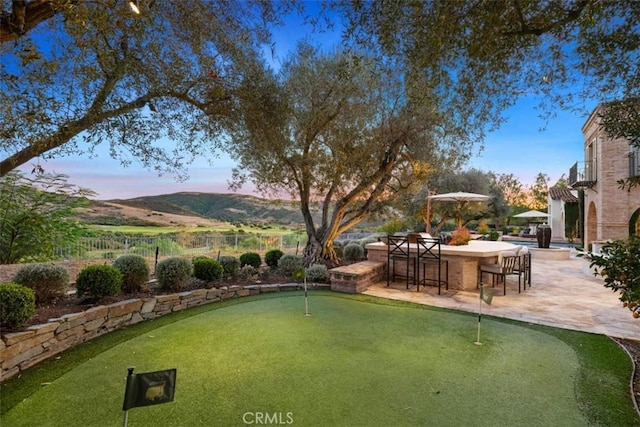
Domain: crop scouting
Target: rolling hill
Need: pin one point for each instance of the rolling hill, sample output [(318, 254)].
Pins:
[(233, 208)]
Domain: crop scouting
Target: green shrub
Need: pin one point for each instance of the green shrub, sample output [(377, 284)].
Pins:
[(48, 280), (173, 273), (353, 252), (135, 272), (207, 269), (231, 265), (199, 257), (619, 267), (494, 235), (250, 243), (249, 272), (272, 256), (317, 273), (17, 304), (250, 258), (366, 240), (290, 263), (99, 281)]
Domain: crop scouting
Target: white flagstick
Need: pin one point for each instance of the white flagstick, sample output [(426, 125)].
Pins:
[(306, 302), (477, 342), (125, 421)]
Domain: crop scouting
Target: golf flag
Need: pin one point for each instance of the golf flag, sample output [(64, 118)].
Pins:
[(485, 295), (149, 388)]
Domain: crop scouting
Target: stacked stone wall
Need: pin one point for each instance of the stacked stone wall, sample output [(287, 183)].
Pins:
[(23, 349)]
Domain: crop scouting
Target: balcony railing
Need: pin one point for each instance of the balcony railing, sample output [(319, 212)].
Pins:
[(634, 163), (583, 175)]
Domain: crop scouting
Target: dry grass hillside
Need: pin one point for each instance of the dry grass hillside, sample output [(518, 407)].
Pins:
[(110, 213)]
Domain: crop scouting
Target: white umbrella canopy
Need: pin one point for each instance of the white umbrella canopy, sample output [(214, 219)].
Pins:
[(460, 196), (532, 214)]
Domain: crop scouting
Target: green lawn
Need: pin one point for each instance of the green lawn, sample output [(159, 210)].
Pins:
[(356, 361)]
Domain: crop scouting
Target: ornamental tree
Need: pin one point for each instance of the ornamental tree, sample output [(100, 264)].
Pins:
[(619, 266), (36, 216), (343, 131)]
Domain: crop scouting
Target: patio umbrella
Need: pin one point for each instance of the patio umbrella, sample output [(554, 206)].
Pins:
[(532, 214), (461, 198)]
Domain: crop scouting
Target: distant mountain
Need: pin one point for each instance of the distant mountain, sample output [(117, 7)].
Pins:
[(234, 208)]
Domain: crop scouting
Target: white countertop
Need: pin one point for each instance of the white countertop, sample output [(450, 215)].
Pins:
[(475, 248)]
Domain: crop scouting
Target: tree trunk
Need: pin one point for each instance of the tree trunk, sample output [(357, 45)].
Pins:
[(320, 251)]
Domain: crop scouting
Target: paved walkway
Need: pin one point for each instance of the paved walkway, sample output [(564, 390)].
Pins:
[(562, 295)]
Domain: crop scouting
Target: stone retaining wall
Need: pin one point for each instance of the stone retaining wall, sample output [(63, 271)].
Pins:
[(356, 278), (23, 349)]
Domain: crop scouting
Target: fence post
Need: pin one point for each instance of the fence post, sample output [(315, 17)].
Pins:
[(126, 245)]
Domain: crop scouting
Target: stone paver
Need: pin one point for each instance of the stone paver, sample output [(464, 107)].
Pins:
[(563, 294)]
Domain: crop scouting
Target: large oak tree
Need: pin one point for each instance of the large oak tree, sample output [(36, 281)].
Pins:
[(344, 131)]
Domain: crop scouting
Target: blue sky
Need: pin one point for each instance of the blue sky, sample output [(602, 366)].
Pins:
[(519, 147)]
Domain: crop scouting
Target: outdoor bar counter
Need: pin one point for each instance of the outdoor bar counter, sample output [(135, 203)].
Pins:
[(463, 260)]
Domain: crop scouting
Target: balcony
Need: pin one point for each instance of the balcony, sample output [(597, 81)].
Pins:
[(634, 163), (583, 175)]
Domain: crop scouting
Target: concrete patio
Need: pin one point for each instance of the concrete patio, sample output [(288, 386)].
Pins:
[(562, 295)]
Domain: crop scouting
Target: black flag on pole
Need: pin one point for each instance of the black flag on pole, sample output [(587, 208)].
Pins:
[(149, 388)]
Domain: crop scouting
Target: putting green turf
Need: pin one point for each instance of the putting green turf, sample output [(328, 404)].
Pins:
[(353, 362)]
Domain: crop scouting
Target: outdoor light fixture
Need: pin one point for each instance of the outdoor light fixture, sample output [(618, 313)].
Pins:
[(133, 4)]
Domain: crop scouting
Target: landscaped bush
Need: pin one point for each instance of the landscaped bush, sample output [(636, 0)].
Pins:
[(272, 256), (460, 237), (366, 240), (199, 257), (353, 252), (99, 281), (231, 265), (17, 304), (317, 273), (135, 272), (619, 267), (250, 258), (249, 272), (250, 243), (48, 281), (207, 269), (290, 263), (173, 273)]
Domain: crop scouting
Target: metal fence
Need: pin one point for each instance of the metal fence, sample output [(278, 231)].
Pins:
[(188, 244)]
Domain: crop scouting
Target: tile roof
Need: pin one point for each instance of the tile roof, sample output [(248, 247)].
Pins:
[(563, 194)]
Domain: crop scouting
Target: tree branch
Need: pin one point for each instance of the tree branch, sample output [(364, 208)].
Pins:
[(24, 17), (527, 29), (66, 132)]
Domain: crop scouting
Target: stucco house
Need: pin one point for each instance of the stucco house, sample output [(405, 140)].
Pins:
[(610, 212), (559, 202)]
